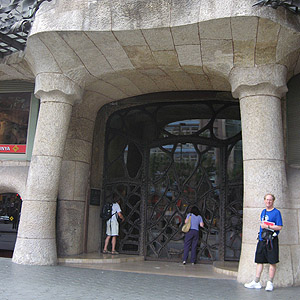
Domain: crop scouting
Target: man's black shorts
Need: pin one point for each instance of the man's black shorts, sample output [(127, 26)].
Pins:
[(267, 253)]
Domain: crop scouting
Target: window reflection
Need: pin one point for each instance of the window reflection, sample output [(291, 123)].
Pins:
[(14, 116)]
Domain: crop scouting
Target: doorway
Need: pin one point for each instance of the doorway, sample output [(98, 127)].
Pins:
[(163, 158), (10, 210)]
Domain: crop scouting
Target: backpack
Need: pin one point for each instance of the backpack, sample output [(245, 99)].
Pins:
[(106, 212)]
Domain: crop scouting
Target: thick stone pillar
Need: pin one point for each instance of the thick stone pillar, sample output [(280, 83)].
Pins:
[(260, 90), (36, 241), (74, 182)]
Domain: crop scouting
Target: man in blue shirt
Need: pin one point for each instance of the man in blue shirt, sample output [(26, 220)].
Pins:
[(270, 219)]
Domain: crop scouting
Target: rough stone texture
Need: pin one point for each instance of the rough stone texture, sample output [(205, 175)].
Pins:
[(78, 150), (67, 180), (267, 36), (264, 166), (39, 220), (46, 62), (65, 57), (218, 29), (186, 35), (114, 50), (290, 227), (217, 56), (140, 14), (89, 107), (246, 271), (14, 179), (189, 55), (284, 276), (247, 267), (264, 176), (253, 114), (261, 80), (70, 218), (54, 117), (141, 28), (81, 129), (82, 174), (295, 250), (244, 40), (39, 203), (94, 229), (106, 90), (73, 185), (184, 12), (251, 217), (14, 66), (43, 178), (28, 251), (293, 178), (56, 88)]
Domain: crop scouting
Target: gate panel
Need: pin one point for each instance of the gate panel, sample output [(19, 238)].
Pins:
[(160, 167)]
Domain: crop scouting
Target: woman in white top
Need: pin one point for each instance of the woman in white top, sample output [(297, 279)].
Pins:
[(112, 229)]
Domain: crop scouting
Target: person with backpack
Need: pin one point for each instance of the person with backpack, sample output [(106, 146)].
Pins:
[(267, 249), (112, 228)]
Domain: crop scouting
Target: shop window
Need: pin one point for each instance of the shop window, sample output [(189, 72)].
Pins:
[(18, 115)]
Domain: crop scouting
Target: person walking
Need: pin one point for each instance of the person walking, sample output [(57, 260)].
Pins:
[(192, 236), (112, 229), (267, 252)]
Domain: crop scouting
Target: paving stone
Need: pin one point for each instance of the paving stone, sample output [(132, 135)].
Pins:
[(22, 282)]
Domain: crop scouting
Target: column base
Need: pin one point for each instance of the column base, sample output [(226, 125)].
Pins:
[(35, 252), (247, 267)]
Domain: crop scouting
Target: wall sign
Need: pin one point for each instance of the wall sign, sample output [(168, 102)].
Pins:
[(95, 196)]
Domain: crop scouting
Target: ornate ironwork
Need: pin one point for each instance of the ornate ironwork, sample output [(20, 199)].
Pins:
[(160, 167), (16, 18), (291, 5)]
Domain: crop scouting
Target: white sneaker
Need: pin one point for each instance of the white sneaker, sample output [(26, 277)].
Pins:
[(253, 285), (269, 286)]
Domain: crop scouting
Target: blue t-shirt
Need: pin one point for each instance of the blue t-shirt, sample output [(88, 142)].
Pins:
[(273, 215), (195, 221)]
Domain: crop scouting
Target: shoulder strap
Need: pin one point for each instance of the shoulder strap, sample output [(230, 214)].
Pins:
[(265, 212)]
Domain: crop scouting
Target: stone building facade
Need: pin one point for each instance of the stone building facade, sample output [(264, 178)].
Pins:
[(84, 56)]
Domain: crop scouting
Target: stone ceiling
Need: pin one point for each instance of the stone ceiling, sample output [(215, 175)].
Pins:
[(133, 53)]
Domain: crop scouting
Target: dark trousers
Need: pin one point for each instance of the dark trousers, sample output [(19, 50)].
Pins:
[(190, 242)]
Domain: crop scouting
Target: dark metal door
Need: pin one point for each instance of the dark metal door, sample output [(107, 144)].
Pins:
[(160, 167)]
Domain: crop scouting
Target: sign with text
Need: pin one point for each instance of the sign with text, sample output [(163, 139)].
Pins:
[(95, 197), (12, 148)]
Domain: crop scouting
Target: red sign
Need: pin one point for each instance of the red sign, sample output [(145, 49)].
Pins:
[(12, 148)]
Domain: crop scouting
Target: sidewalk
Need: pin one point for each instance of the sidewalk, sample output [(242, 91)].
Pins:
[(19, 282)]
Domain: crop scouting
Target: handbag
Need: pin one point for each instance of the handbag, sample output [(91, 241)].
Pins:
[(267, 235), (186, 227)]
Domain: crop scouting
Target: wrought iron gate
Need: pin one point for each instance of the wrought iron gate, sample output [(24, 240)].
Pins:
[(160, 160)]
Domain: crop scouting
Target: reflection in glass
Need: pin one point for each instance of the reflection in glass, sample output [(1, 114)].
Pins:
[(14, 116), (171, 157)]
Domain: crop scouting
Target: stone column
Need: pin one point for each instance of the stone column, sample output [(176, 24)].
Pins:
[(260, 90), (74, 181), (36, 241)]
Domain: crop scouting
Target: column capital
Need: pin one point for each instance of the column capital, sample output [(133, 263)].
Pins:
[(57, 84), (260, 80)]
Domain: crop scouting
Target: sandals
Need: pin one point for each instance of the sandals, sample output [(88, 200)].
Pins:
[(108, 252)]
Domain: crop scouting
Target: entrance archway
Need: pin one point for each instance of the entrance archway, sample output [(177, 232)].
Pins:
[(10, 210), (163, 158)]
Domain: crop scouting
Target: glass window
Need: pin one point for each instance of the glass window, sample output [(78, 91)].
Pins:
[(14, 119)]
